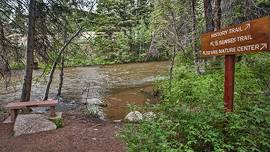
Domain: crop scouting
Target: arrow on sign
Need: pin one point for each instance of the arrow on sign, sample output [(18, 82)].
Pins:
[(247, 26), (264, 46)]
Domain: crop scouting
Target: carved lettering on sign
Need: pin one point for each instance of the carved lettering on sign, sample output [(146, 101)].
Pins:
[(239, 49), (249, 37)]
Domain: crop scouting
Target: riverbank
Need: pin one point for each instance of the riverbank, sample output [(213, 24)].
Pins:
[(86, 64), (113, 63), (80, 133)]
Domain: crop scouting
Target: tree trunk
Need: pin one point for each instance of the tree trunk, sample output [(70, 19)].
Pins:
[(195, 50), (153, 52), (4, 64), (171, 69), (217, 14), (3, 51), (27, 83), (61, 77), (130, 40), (55, 63), (209, 22), (217, 21)]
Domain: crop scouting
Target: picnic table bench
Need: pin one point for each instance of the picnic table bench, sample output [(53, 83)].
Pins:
[(15, 106)]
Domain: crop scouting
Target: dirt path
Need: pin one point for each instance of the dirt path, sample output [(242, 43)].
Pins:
[(78, 135)]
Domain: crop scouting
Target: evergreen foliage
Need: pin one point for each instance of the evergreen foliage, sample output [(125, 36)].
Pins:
[(191, 115)]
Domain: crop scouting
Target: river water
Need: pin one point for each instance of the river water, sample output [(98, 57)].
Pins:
[(117, 85)]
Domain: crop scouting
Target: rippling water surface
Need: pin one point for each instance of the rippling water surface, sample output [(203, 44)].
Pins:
[(118, 85)]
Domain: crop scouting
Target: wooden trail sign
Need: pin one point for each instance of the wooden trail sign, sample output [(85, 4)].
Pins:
[(249, 37)]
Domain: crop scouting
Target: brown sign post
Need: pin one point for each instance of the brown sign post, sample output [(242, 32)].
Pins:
[(249, 37)]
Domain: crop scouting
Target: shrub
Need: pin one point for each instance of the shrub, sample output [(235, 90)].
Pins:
[(192, 117), (59, 122)]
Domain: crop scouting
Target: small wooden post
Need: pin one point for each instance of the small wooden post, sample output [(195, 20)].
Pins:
[(229, 82), (52, 110), (13, 114)]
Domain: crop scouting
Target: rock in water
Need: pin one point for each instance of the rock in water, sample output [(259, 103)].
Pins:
[(134, 116), (95, 111), (149, 116), (95, 101), (94, 108), (32, 123)]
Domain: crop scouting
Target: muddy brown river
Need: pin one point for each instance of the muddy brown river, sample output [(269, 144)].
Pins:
[(117, 85)]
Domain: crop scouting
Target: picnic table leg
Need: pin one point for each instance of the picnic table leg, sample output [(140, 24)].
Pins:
[(52, 109), (13, 114)]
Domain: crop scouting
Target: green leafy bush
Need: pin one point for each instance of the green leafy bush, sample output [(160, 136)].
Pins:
[(59, 122), (192, 117)]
